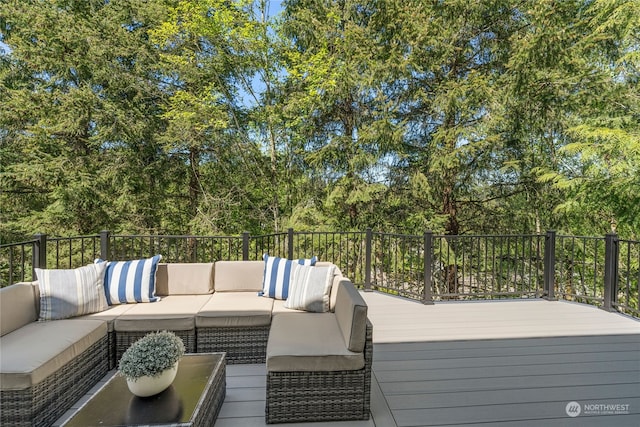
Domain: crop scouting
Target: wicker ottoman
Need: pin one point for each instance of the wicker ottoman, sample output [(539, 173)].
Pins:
[(319, 395)]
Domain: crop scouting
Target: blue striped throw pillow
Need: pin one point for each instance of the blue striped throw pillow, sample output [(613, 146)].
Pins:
[(128, 282), (278, 273)]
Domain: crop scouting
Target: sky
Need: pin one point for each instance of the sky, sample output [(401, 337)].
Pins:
[(275, 6)]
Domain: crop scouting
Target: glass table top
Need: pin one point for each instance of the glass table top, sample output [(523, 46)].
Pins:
[(114, 405)]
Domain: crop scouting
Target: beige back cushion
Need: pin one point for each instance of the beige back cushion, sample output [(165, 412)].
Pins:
[(351, 313), (334, 291), (184, 279), (17, 307), (238, 276), (336, 280)]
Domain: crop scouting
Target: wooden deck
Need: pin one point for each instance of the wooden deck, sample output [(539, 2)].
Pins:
[(504, 363)]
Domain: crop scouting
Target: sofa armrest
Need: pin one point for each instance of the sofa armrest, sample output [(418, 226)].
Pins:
[(351, 313), (17, 306)]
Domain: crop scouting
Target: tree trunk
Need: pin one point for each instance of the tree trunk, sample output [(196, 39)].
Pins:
[(449, 208), (194, 181)]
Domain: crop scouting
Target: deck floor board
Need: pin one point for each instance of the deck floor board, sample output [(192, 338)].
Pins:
[(499, 363)]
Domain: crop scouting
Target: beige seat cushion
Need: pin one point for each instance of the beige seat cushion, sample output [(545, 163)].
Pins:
[(184, 279), (309, 342), (110, 315), (279, 308), (35, 351), (174, 313), (235, 309), (238, 276)]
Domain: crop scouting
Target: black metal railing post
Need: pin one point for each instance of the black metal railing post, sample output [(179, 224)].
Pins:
[(367, 259), (245, 246), (427, 295), (105, 244), (611, 252), (549, 265), (39, 255), (290, 243)]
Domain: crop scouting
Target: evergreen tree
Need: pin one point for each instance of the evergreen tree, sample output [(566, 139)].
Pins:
[(79, 107), (573, 112), (335, 101), (209, 116)]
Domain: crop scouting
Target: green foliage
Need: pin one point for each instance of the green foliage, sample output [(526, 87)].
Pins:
[(213, 117), (151, 355), (79, 86), (589, 98), (334, 101), (452, 73)]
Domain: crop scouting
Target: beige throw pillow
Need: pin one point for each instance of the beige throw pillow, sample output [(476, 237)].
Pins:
[(310, 288), (70, 293)]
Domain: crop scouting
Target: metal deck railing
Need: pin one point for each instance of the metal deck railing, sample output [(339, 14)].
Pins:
[(603, 271)]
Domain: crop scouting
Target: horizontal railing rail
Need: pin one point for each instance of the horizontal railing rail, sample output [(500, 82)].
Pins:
[(602, 271)]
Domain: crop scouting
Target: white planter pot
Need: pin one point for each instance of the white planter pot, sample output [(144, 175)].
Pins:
[(149, 386)]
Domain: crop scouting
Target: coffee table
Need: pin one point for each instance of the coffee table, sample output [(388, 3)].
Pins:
[(194, 398)]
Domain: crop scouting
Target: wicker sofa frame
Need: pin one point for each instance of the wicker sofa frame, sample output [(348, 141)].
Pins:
[(44, 403), (321, 396), (242, 344), (291, 396), (125, 339)]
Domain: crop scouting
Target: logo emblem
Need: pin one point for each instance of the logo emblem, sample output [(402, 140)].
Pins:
[(573, 409)]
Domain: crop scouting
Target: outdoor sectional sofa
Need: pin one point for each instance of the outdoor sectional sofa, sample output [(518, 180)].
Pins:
[(318, 363)]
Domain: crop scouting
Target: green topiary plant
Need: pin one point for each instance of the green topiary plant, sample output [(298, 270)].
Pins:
[(151, 355)]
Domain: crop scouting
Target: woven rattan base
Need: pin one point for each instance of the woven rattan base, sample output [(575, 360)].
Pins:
[(315, 396), (321, 396), (242, 344), (124, 339), (43, 403), (111, 336)]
